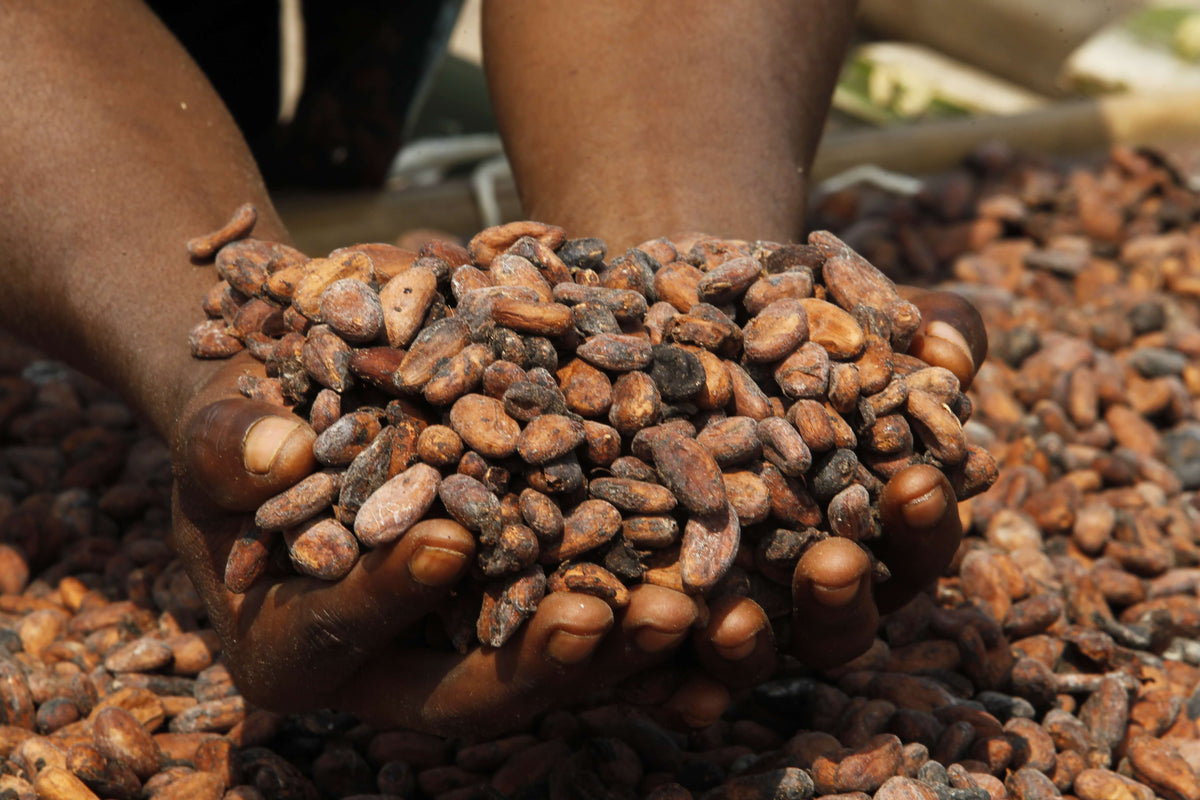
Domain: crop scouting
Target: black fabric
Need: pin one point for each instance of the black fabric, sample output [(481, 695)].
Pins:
[(236, 44), (364, 63)]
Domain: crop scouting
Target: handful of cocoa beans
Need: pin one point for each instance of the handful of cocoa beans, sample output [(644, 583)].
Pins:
[(691, 414)]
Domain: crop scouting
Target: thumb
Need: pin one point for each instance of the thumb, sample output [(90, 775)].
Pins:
[(951, 335), (240, 452)]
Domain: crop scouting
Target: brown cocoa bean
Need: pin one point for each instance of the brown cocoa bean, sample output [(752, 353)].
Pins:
[(484, 426), (439, 446), (732, 441), (319, 273), (636, 403), (458, 375), (709, 545), (729, 280), (322, 548), (748, 495), (590, 524), (491, 242), (784, 447), (616, 352), (508, 603), (442, 339), (590, 579), (633, 496), (514, 549), (404, 301), (549, 437), (510, 269), (301, 502), (805, 373), (397, 505), (833, 329), (1095, 784), (749, 399), (537, 318), (686, 468), (120, 736), (338, 444), (352, 309), (247, 559), (238, 226), (939, 430), (211, 339), (678, 284), (650, 531), (792, 285)]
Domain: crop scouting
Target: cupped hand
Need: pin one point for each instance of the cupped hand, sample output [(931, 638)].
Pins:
[(836, 607), (294, 642)]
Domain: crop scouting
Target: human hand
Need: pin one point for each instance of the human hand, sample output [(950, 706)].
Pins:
[(836, 607), (295, 642)]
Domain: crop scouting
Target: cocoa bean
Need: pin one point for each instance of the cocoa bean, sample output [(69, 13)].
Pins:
[(589, 525), (321, 548), (319, 273), (590, 579), (507, 604), (484, 426), (352, 310), (238, 226), (299, 503), (396, 505)]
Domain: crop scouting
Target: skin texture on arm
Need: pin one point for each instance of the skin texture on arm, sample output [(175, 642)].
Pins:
[(628, 120), (113, 152)]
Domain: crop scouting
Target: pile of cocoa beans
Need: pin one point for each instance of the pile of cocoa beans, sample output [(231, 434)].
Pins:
[(689, 414), (1058, 656)]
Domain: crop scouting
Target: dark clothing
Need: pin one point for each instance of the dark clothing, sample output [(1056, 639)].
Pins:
[(365, 61)]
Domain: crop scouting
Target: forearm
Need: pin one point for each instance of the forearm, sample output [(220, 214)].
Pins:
[(114, 151), (630, 120)]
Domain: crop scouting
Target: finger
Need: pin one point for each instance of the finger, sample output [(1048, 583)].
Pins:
[(698, 703), (489, 689), (834, 616), (572, 646), (301, 632), (921, 532), (241, 452), (656, 621), (951, 334), (639, 656), (677, 695), (737, 646)]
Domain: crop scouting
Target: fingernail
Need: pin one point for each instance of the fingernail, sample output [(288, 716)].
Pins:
[(687, 715), (568, 648), (436, 566), (653, 640), (948, 333), (694, 722), (263, 442), (736, 652), (835, 596), (926, 510)]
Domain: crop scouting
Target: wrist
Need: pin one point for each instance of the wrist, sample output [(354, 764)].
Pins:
[(118, 301), (161, 376)]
